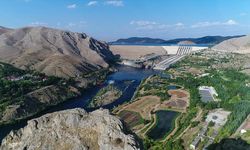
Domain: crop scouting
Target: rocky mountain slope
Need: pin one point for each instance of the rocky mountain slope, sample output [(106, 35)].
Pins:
[(53, 52), (72, 130), (237, 45), (36, 101), (4, 30)]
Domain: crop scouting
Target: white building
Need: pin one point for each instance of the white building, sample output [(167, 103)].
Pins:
[(207, 93)]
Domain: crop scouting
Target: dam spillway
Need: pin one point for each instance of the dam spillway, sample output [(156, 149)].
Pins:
[(177, 52)]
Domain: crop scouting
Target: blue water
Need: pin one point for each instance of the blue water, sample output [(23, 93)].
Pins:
[(173, 87), (126, 78), (198, 45)]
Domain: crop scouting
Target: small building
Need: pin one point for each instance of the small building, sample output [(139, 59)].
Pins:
[(207, 94), (199, 137), (195, 143)]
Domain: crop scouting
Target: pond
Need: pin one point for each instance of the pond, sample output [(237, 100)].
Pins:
[(165, 123), (173, 87)]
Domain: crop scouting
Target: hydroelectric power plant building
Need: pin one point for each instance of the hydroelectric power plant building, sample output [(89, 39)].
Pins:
[(207, 94)]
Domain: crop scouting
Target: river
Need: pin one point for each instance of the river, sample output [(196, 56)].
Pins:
[(126, 78)]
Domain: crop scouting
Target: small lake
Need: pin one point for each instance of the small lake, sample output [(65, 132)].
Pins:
[(173, 87), (165, 120), (126, 79)]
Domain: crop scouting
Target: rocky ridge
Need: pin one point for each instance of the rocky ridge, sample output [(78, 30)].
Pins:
[(73, 129), (52, 51)]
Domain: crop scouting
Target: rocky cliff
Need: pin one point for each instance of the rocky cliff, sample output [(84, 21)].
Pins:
[(71, 130), (53, 52)]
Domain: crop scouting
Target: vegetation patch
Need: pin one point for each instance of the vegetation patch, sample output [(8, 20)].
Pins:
[(131, 118), (106, 96)]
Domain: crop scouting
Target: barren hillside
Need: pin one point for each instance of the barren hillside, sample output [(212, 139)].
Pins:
[(237, 45), (52, 51)]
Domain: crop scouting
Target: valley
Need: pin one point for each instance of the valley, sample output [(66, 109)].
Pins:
[(162, 104), (124, 75)]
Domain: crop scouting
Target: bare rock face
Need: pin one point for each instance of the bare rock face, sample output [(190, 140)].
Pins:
[(52, 51), (236, 45), (71, 130)]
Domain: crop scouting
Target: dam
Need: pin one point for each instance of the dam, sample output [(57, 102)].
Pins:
[(177, 53), (135, 54)]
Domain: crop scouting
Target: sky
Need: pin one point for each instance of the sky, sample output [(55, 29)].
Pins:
[(113, 19)]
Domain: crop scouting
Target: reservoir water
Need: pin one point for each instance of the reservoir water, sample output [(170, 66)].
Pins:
[(126, 78), (164, 124)]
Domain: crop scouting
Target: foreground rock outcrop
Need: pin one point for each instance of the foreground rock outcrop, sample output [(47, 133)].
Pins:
[(71, 130), (53, 52)]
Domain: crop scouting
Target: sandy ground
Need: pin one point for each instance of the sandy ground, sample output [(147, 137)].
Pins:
[(135, 52)]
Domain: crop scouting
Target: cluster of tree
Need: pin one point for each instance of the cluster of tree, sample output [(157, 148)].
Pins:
[(7, 70), (230, 144), (169, 145), (11, 92), (238, 115)]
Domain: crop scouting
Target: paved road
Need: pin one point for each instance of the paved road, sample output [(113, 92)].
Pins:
[(167, 62)]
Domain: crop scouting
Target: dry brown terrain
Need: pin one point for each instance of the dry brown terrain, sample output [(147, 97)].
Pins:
[(144, 105), (135, 52), (237, 45), (52, 51)]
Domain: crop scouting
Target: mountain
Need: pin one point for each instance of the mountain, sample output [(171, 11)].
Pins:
[(203, 40), (4, 30), (186, 43), (73, 129), (53, 52), (237, 45), (138, 40)]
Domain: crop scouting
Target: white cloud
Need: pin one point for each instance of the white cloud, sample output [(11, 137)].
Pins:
[(152, 25), (231, 22), (143, 23), (71, 24), (117, 3), (215, 23), (37, 23), (179, 24), (76, 25), (243, 14), (72, 6), (92, 3)]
